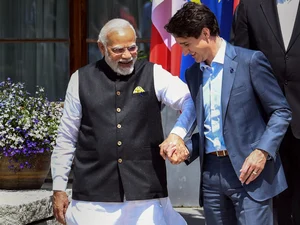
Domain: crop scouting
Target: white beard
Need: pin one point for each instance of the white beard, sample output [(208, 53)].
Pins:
[(115, 67)]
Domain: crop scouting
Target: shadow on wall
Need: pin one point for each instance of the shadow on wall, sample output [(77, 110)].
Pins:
[(183, 181), (193, 216)]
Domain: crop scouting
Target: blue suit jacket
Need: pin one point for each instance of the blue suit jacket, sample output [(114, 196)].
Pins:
[(255, 114)]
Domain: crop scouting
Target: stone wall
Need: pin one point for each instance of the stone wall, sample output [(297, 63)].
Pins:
[(23, 207)]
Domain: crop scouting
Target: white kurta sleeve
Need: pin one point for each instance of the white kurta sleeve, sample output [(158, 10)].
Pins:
[(173, 92), (63, 152)]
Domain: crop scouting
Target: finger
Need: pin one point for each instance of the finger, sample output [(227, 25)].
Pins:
[(61, 217), (252, 176), (244, 172), (174, 159), (56, 210), (255, 172), (162, 154), (66, 205), (182, 157), (65, 210), (170, 150), (177, 160), (163, 146), (55, 213), (186, 153)]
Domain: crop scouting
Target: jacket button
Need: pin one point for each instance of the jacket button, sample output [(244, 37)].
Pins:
[(119, 126), (120, 160), (118, 92), (285, 82), (118, 110), (286, 57), (119, 143)]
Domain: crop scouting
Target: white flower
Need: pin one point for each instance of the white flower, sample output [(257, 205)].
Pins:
[(27, 123)]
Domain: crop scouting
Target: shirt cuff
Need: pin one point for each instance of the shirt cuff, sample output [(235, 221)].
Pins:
[(59, 184), (181, 132)]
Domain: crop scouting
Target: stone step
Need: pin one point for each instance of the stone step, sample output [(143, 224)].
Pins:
[(34, 207)]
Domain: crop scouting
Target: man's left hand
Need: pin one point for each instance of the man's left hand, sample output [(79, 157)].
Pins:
[(253, 166)]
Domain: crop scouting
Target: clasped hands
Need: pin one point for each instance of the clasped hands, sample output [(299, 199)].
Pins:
[(174, 149)]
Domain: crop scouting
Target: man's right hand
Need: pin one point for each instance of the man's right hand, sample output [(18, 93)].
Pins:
[(60, 205), (174, 149)]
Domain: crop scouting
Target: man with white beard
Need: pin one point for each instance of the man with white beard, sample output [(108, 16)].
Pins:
[(111, 129)]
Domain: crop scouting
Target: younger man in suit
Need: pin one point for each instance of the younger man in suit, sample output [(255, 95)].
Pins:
[(242, 117)]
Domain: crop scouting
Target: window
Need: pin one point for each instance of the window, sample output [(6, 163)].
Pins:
[(42, 42), (34, 44)]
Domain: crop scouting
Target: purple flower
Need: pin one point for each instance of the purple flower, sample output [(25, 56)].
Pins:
[(22, 107)]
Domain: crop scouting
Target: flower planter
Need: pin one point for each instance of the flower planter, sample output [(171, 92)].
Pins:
[(27, 178), (28, 130)]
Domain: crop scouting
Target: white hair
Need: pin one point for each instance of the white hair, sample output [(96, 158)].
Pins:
[(113, 25)]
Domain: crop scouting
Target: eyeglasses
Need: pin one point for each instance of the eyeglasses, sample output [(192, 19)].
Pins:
[(120, 51)]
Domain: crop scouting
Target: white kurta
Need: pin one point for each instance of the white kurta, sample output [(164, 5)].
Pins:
[(144, 212)]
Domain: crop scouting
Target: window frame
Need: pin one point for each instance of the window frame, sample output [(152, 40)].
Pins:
[(78, 41)]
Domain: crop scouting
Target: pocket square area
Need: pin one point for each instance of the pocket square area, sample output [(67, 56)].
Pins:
[(138, 89)]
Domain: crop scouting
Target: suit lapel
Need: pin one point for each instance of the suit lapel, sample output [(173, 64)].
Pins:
[(200, 114), (270, 12), (228, 77), (195, 81), (199, 96), (296, 29)]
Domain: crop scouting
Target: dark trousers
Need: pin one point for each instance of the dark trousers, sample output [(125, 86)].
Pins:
[(287, 204), (225, 201)]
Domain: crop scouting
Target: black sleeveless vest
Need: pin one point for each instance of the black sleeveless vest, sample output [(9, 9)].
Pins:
[(117, 151)]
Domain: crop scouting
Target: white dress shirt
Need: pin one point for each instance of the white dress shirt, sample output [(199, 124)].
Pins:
[(287, 11), (170, 90), (212, 89)]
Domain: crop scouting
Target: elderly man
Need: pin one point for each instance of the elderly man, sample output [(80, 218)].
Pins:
[(111, 126)]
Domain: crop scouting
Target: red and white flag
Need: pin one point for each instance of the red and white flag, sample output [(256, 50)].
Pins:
[(163, 48)]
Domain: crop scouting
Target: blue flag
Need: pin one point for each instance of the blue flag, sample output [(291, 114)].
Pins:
[(223, 9)]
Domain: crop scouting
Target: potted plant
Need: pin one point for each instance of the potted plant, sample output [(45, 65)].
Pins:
[(28, 130)]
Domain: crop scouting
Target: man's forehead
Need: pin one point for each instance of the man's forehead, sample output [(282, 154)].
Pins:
[(182, 40), (123, 45), (122, 37), (120, 32)]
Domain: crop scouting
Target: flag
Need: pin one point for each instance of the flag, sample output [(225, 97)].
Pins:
[(163, 48), (223, 9), (235, 3)]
